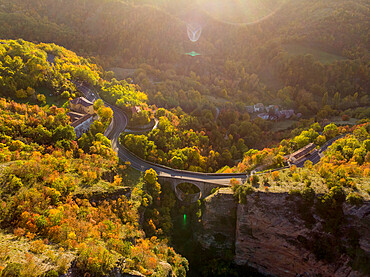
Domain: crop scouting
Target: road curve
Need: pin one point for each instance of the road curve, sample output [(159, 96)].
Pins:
[(120, 121), (119, 125)]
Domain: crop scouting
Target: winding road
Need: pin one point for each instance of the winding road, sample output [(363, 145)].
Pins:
[(119, 124), (120, 121)]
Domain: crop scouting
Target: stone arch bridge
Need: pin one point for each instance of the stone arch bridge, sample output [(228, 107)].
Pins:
[(205, 187)]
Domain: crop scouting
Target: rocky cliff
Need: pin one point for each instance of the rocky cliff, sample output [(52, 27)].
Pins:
[(272, 233), (218, 222)]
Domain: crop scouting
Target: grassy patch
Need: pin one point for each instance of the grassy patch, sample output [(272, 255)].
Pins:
[(288, 181), (322, 56), (50, 99), (218, 101), (100, 188), (132, 177), (18, 250), (283, 125), (122, 73), (337, 120)]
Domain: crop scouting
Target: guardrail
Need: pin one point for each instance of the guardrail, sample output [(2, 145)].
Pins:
[(183, 172), (109, 128), (148, 163), (144, 128), (330, 142)]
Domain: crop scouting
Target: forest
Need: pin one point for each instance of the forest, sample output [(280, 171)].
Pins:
[(147, 41), (69, 203), (44, 170)]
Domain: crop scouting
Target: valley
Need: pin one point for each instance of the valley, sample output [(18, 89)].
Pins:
[(184, 138)]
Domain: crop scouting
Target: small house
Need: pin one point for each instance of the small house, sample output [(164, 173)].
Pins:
[(286, 113), (82, 125), (259, 107), (264, 116), (82, 115), (272, 109), (82, 105), (300, 154)]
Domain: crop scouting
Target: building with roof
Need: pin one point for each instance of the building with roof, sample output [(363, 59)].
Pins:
[(272, 109), (264, 116), (299, 155), (82, 115), (286, 114), (82, 105), (259, 107), (82, 125)]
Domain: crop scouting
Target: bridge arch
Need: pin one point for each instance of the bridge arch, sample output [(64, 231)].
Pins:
[(187, 196), (205, 188)]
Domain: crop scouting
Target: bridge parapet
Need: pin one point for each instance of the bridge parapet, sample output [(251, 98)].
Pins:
[(205, 188)]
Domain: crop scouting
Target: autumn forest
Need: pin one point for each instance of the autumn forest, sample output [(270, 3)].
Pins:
[(278, 95)]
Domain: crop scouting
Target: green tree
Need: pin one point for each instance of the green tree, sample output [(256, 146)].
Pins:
[(41, 98), (65, 94), (64, 132), (324, 100), (98, 104), (330, 131), (151, 176)]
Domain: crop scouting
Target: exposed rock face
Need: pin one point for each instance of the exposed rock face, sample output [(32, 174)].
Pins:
[(219, 216), (272, 237)]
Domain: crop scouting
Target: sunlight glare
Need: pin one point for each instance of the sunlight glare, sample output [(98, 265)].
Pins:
[(240, 12)]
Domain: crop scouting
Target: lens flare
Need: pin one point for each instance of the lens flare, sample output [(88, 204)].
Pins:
[(240, 12), (194, 31), (193, 54)]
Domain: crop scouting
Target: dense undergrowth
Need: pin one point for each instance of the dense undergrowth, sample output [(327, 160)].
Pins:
[(40, 172)]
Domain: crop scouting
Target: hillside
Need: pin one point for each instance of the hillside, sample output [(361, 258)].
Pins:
[(275, 91), (42, 168), (269, 62)]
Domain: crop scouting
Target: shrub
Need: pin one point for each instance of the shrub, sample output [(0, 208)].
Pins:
[(65, 94), (41, 98), (19, 232), (354, 199), (95, 259), (255, 180), (275, 175), (345, 117), (329, 207), (37, 247), (21, 94), (241, 192), (296, 177), (51, 273), (214, 190), (12, 270), (308, 195)]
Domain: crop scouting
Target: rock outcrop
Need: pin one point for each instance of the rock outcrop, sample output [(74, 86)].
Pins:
[(218, 221), (271, 235)]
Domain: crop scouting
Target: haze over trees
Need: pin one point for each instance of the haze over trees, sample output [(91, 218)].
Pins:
[(67, 202)]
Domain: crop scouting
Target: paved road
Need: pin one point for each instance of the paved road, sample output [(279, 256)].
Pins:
[(119, 125)]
